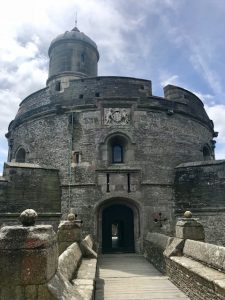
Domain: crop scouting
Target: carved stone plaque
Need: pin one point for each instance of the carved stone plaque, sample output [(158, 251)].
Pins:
[(116, 116)]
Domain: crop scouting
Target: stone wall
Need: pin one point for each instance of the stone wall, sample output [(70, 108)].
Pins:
[(154, 246), (213, 221), (196, 267), (188, 282), (28, 185), (200, 186)]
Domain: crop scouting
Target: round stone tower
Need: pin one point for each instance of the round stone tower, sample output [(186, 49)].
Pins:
[(116, 147), (73, 55)]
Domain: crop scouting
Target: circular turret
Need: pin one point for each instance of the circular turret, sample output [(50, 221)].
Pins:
[(73, 55)]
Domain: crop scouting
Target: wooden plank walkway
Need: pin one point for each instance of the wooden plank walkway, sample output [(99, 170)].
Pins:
[(131, 276)]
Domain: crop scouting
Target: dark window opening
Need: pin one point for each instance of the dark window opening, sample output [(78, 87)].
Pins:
[(58, 86), (81, 96), (21, 155), (142, 87), (206, 153), (82, 57), (107, 183), (128, 183), (77, 157), (97, 94), (117, 153)]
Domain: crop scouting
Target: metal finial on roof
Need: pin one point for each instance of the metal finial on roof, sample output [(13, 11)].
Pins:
[(76, 19), (75, 28)]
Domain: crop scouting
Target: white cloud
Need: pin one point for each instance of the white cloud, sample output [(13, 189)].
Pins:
[(172, 79), (201, 63)]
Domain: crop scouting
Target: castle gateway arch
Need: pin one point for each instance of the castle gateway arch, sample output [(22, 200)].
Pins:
[(118, 226)]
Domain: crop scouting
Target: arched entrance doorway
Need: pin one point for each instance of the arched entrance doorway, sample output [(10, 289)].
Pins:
[(117, 229)]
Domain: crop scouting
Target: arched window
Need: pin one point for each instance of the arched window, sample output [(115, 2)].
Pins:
[(117, 153), (117, 148), (207, 153), (21, 155)]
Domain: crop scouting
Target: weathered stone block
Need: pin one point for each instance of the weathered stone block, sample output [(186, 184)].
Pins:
[(174, 248), (69, 232), (209, 254), (69, 261), (33, 251), (190, 229)]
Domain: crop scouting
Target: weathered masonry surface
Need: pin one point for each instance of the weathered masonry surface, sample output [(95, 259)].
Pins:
[(87, 142)]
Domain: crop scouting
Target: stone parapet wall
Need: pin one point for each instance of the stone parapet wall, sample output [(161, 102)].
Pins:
[(213, 221), (75, 276), (154, 246), (32, 268), (33, 101), (200, 185), (200, 271), (30, 184), (193, 285), (196, 267)]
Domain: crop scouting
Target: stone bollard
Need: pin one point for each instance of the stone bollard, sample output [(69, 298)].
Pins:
[(28, 259), (189, 228), (186, 228), (69, 232)]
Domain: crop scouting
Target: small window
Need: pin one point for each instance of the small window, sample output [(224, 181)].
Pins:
[(107, 183), (97, 94), (81, 96), (76, 156), (21, 155), (206, 153), (58, 86), (82, 57), (117, 153), (128, 183)]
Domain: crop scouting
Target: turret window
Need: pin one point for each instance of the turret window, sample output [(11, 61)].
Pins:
[(83, 58), (21, 155), (207, 153), (58, 86), (76, 157)]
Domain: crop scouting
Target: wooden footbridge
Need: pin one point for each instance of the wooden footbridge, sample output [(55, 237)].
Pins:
[(130, 276)]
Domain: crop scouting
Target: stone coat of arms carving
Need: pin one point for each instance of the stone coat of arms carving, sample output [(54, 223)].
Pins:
[(116, 116)]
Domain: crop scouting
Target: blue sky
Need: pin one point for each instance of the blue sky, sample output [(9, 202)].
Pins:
[(181, 42)]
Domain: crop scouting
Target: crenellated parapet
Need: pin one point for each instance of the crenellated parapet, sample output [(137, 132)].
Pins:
[(88, 93)]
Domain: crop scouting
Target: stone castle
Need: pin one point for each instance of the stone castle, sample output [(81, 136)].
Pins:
[(126, 161)]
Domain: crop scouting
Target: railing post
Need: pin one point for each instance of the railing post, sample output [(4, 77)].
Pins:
[(189, 228), (69, 232)]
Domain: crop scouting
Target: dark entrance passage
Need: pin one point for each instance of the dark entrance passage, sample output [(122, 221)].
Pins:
[(117, 229)]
